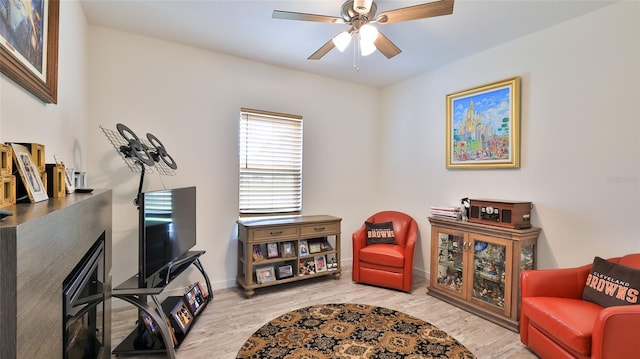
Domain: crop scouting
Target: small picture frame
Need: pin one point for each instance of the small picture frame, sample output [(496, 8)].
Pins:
[(321, 263), (304, 248), (181, 315), (150, 324), (195, 298), (285, 271), (68, 179), (314, 247), (287, 250), (325, 245), (272, 250), (257, 254), (29, 174), (265, 274)]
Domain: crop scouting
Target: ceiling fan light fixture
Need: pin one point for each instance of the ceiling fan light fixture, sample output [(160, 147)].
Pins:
[(342, 40), (367, 48), (368, 33), (362, 6)]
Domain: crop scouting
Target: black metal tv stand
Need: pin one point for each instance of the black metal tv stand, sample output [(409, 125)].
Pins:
[(134, 293)]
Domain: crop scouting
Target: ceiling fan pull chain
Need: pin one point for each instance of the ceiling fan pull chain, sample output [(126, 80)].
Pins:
[(356, 51)]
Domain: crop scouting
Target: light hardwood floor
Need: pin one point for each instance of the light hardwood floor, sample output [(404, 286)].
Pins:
[(230, 319)]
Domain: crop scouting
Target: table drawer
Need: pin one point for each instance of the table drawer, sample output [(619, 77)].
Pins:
[(320, 229), (275, 233)]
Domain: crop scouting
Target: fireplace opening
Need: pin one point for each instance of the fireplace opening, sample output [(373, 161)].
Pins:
[(83, 306)]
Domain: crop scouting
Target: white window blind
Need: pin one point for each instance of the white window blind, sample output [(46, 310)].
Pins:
[(270, 163)]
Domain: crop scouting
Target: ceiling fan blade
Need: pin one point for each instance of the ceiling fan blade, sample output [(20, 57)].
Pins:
[(288, 15), (436, 8), (384, 45), (322, 51)]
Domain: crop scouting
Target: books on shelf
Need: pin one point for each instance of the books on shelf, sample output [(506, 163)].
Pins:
[(446, 212)]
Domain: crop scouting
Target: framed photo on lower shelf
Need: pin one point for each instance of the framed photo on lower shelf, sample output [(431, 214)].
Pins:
[(150, 324), (265, 274), (321, 263), (285, 271), (195, 298), (181, 314)]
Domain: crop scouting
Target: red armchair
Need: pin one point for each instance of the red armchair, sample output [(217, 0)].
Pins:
[(386, 265), (556, 323)]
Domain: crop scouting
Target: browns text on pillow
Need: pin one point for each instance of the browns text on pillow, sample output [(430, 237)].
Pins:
[(611, 284), (380, 233)]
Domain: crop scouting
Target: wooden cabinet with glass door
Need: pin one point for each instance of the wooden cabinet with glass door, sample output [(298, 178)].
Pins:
[(477, 267)]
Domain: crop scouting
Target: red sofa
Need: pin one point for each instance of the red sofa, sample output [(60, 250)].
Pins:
[(386, 265), (556, 323)]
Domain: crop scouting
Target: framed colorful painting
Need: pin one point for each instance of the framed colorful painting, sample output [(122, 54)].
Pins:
[(29, 45), (483, 126)]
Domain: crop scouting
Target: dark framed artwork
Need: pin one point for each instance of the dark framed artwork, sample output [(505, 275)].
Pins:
[(483, 126), (29, 45)]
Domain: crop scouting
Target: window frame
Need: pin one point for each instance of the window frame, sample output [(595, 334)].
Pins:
[(270, 167)]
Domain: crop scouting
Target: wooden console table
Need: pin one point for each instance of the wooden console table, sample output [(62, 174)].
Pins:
[(285, 250)]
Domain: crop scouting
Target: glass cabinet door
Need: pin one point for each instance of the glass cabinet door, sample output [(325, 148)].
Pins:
[(451, 262), (491, 272), (527, 259)]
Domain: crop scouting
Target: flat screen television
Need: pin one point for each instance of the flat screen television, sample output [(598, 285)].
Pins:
[(167, 231)]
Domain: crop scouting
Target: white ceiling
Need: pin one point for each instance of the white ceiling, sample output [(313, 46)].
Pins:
[(245, 29)]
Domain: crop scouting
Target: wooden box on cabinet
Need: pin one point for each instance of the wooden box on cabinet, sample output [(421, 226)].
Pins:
[(276, 251), (6, 160), (477, 267), (7, 191)]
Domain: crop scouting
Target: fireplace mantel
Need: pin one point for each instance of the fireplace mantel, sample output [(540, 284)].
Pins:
[(39, 245)]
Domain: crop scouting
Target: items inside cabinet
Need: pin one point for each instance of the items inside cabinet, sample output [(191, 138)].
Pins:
[(489, 274), (477, 266)]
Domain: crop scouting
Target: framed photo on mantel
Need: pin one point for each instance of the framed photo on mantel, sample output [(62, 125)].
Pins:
[(29, 174)]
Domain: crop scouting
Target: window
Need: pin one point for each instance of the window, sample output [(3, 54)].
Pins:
[(270, 164)]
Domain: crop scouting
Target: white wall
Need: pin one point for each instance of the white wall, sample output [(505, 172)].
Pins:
[(580, 154), (190, 99), (62, 127)]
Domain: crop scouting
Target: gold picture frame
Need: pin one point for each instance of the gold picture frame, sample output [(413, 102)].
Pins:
[(32, 64), (36, 190), (483, 126)]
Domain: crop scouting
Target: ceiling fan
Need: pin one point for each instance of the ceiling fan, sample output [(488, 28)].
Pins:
[(360, 14)]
